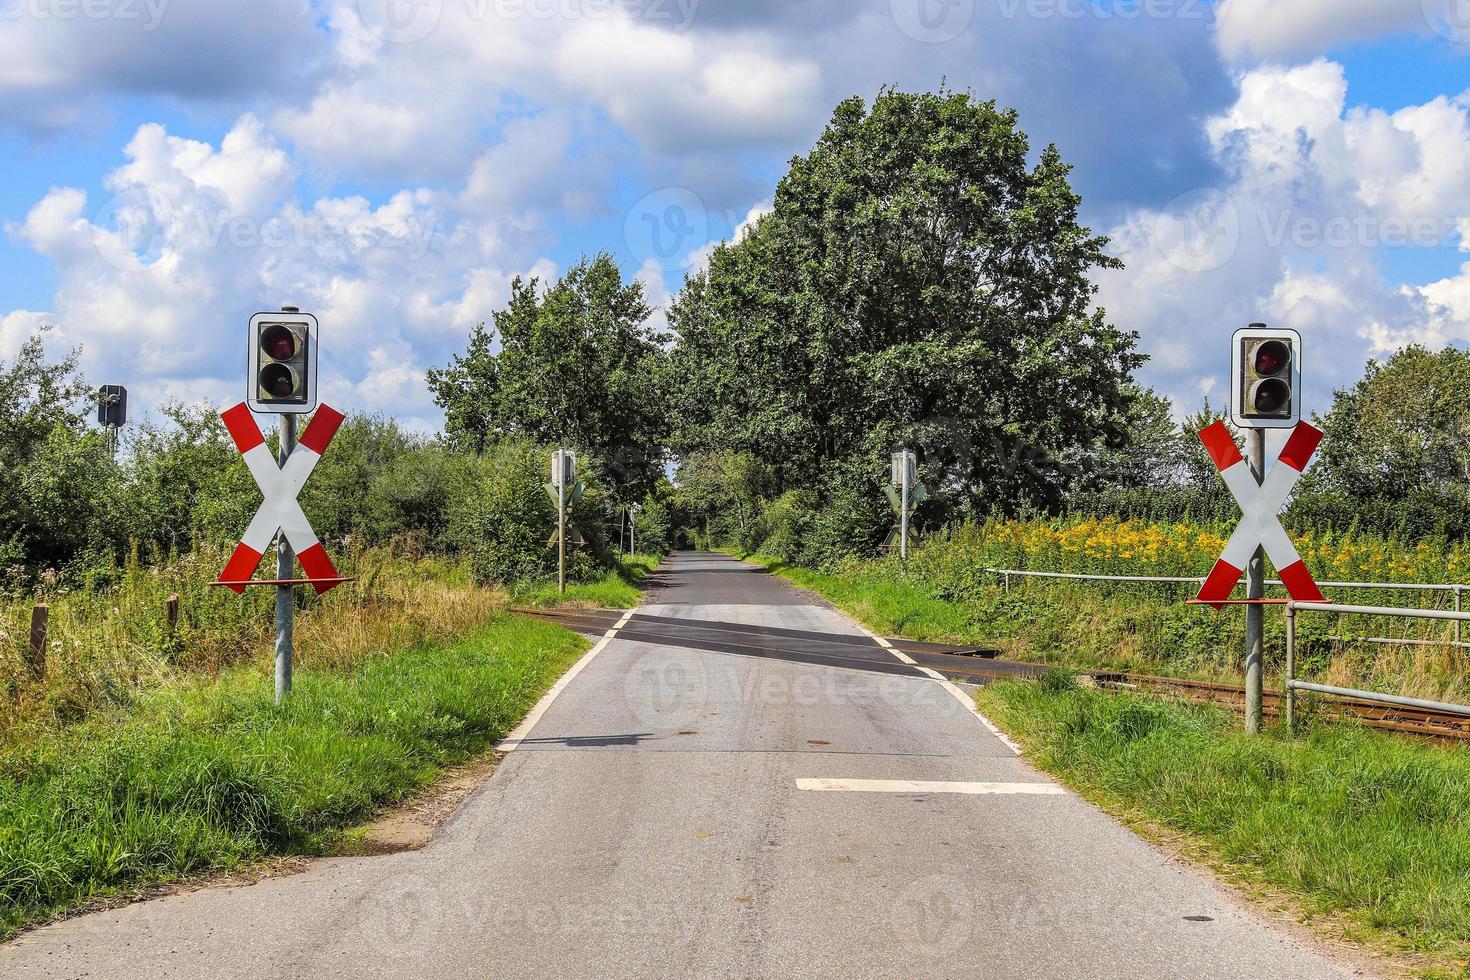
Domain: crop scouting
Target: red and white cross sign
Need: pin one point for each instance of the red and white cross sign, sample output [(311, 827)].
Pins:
[(1260, 503), (280, 485)]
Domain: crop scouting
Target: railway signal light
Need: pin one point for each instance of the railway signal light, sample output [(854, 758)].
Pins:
[(112, 406), (283, 362), (902, 468), (1267, 374), (563, 468)]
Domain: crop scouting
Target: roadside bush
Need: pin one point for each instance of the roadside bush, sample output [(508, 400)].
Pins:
[(502, 521), (781, 527), (654, 524)]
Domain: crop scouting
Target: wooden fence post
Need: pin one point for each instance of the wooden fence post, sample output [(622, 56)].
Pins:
[(173, 615), (40, 617)]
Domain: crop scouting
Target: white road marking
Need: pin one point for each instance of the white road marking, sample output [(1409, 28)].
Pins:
[(945, 683), (930, 786), (515, 738)]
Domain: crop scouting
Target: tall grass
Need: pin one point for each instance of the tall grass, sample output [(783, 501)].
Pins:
[(206, 772), (616, 589), (945, 593), (1356, 822), (108, 643)]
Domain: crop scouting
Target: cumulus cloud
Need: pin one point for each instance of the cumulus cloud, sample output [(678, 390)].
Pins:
[(1315, 192), (55, 58), (394, 175), (158, 282), (724, 94), (1273, 29)]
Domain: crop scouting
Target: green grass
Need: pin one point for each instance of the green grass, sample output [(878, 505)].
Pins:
[(616, 589), (1371, 827), (205, 774), (884, 604)]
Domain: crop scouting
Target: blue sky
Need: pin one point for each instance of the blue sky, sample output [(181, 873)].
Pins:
[(172, 166)]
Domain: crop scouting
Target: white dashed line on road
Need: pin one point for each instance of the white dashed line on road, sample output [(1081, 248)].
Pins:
[(929, 786)]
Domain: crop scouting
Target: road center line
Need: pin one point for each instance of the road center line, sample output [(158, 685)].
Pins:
[(929, 786), (515, 738)]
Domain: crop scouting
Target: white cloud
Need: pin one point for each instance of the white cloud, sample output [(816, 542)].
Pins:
[(1296, 28), (676, 92), (55, 59), (1315, 192), (19, 326), (158, 283)]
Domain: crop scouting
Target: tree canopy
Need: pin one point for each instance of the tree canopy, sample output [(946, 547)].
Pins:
[(577, 362), (1397, 443), (919, 282)]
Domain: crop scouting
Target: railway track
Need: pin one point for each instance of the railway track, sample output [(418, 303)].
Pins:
[(1371, 714), (982, 664)]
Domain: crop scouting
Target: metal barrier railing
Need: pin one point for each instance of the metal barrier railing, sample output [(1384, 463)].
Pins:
[(1456, 590), (1293, 685)]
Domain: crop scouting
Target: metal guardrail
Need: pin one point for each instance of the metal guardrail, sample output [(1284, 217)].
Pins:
[(1456, 590), (1293, 685)]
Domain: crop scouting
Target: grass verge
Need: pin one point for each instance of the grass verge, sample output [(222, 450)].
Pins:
[(207, 773), (616, 589), (1370, 829), (892, 607)]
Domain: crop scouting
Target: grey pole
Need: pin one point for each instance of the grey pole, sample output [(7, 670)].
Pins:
[(1255, 589), (633, 533), (903, 510), (285, 566), (1290, 668), (561, 520)]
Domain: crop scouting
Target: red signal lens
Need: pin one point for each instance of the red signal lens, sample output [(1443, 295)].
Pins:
[(1271, 357), (278, 343)]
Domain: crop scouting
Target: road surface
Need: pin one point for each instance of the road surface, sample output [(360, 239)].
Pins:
[(682, 809)]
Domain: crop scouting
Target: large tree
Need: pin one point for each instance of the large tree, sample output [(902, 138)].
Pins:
[(1397, 444), (576, 362), (918, 282)]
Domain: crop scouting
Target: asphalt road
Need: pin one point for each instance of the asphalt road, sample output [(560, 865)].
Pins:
[(686, 809)]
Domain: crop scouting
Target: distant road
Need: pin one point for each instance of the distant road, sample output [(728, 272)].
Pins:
[(698, 803)]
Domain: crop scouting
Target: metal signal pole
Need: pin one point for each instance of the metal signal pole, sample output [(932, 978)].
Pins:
[(1255, 584), (285, 566), (561, 520), (903, 510)]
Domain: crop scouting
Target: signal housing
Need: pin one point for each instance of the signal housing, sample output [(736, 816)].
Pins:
[(282, 378), (1266, 375)]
